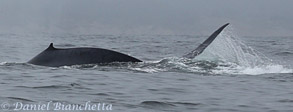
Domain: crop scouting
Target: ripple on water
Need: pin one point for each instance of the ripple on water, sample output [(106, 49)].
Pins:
[(20, 99), (163, 105)]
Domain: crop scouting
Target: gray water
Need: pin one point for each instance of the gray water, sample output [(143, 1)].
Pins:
[(246, 74)]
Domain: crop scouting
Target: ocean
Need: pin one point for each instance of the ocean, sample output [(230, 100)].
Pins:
[(235, 73)]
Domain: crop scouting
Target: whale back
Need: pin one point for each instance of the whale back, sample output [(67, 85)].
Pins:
[(54, 57)]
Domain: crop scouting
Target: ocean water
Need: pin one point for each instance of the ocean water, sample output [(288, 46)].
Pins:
[(245, 74)]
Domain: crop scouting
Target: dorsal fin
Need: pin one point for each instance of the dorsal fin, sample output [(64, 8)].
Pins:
[(205, 44), (51, 47)]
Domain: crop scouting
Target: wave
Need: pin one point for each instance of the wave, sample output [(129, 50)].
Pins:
[(156, 103), (165, 105), (207, 67), (20, 99), (285, 53), (175, 64)]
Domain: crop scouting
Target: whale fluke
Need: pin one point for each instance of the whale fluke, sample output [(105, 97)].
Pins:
[(205, 44)]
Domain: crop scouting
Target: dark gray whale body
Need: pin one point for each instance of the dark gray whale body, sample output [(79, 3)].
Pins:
[(55, 57)]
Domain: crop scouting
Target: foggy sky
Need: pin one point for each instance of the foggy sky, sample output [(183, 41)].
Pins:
[(166, 17)]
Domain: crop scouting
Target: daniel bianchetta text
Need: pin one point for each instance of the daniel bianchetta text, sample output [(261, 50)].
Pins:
[(45, 106)]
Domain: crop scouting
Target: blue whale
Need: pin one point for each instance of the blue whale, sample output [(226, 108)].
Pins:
[(56, 57)]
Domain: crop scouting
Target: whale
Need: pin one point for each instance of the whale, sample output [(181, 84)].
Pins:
[(205, 44), (56, 57)]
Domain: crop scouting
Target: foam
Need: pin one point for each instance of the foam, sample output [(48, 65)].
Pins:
[(266, 70)]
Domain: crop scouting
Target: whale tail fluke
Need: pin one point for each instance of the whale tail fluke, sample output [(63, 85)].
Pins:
[(205, 44)]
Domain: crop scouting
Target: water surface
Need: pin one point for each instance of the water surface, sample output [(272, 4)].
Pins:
[(245, 74)]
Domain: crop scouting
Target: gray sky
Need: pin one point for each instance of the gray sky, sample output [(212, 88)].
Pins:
[(199, 17)]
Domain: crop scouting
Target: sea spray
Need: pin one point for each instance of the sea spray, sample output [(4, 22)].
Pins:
[(226, 55), (229, 48), (241, 58)]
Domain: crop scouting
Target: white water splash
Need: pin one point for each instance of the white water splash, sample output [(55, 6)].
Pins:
[(230, 49), (3, 63), (266, 69)]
